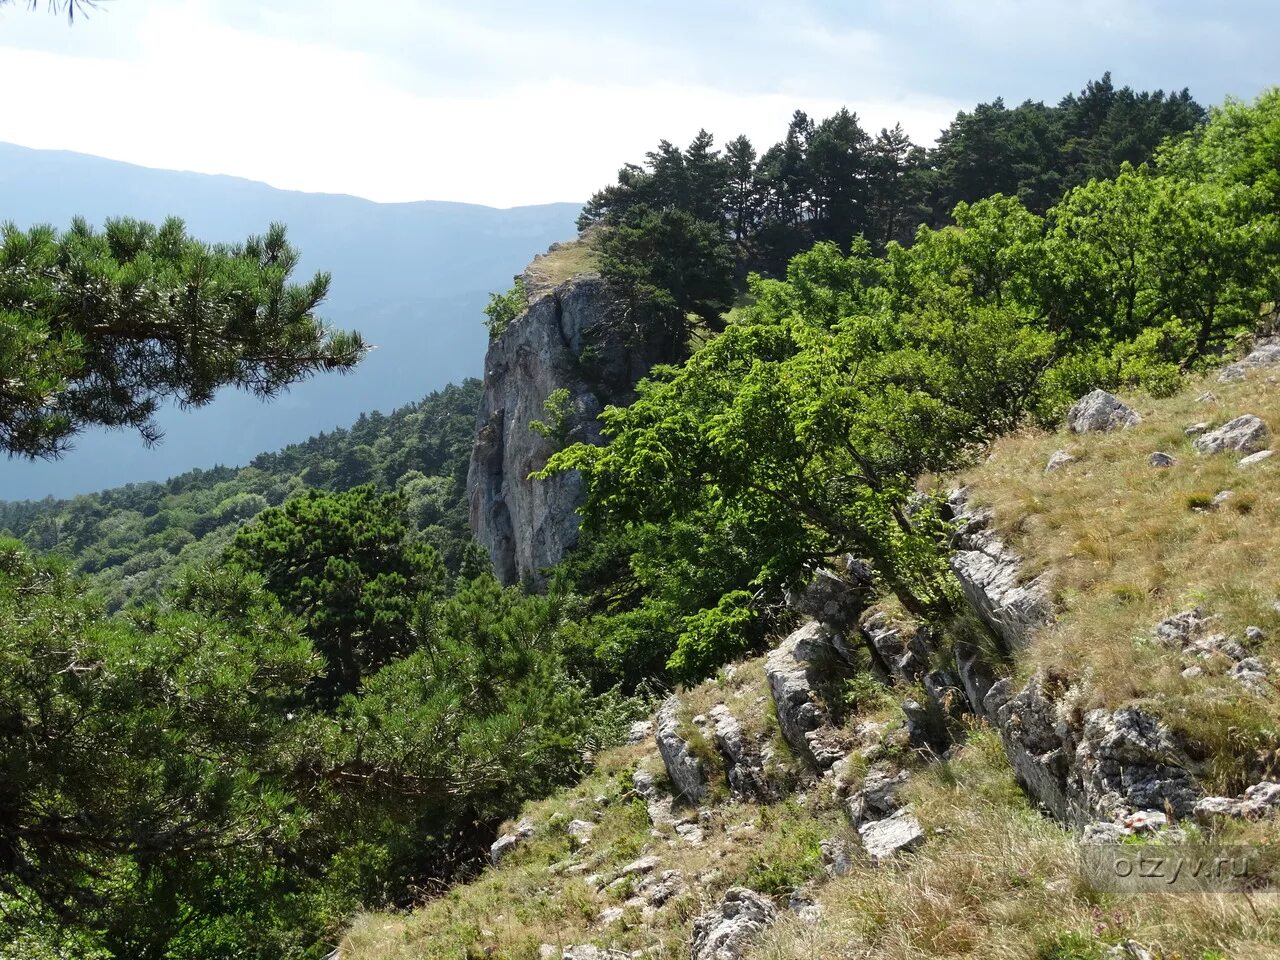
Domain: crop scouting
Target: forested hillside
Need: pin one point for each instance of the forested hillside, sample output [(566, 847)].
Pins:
[(133, 540)]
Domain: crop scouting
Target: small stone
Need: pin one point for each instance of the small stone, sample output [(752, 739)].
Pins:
[(1207, 398), (1102, 832), (1196, 429), (640, 731), (1258, 457), (611, 915), (580, 830), (643, 865), (1255, 634), (1221, 499), (1249, 673), (1128, 950), (1192, 672), (1161, 460), (1059, 460), (885, 839)]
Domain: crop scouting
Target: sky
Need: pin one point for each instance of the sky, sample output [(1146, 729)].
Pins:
[(508, 103)]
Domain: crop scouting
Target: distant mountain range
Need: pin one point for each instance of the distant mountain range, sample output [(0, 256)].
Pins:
[(412, 277)]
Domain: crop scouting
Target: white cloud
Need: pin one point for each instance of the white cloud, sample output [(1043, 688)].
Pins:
[(197, 93)]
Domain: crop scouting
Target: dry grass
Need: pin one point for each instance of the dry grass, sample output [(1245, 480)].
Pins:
[(567, 260), (996, 881), (1126, 544), (510, 911)]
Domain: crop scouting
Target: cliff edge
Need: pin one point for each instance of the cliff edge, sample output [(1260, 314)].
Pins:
[(563, 340)]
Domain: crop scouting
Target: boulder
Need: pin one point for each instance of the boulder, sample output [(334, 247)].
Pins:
[(1245, 434), (509, 841), (1196, 429), (1162, 461), (837, 857), (744, 759), (1255, 458), (879, 795), (685, 769), (725, 932), (580, 830), (885, 839), (833, 599), (901, 648), (1100, 411), (1264, 354), (659, 804)]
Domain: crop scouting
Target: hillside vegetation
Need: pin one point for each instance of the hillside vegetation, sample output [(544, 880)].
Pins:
[(331, 705), (133, 540), (1124, 544)]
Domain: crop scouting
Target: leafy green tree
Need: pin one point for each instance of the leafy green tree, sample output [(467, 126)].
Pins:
[(99, 328), (348, 565), (502, 308)]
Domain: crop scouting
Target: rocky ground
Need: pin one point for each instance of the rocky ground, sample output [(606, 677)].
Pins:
[(876, 787)]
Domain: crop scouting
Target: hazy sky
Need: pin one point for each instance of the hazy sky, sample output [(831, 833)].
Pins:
[(510, 103)]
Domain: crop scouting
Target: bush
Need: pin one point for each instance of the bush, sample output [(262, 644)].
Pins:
[(505, 307)]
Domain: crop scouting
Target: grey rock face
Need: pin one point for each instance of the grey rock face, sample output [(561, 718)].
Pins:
[(1260, 800), (885, 839), (1245, 433), (725, 932), (562, 341), (795, 670), (991, 576), (684, 769), (509, 841), (1101, 411), (1127, 760), (1265, 354), (1106, 768), (745, 759)]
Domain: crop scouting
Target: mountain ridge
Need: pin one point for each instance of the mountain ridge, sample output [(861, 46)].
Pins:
[(412, 277)]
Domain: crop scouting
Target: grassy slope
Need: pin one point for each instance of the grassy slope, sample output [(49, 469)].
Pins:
[(1126, 545)]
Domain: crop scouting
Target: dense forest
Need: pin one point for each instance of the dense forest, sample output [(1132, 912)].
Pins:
[(328, 700), (133, 540)]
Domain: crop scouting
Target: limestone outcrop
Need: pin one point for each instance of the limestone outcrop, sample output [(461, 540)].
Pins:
[(564, 340)]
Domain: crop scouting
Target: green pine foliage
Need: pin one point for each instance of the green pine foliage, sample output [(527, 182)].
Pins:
[(100, 328)]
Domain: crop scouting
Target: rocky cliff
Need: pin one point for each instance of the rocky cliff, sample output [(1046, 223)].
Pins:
[(563, 340)]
